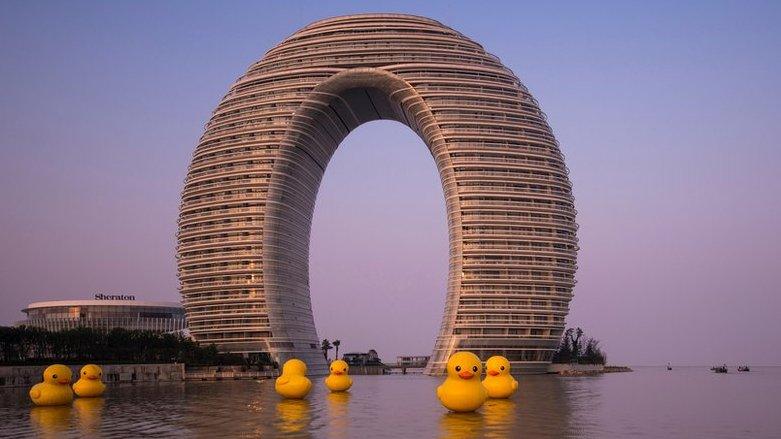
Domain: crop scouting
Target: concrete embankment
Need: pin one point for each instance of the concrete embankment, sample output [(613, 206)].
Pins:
[(576, 369), (18, 376), (610, 369), (585, 369), (368, 369), (220, 373)]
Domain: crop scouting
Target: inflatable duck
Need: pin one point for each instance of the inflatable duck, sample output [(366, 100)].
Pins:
[(462, 390), (55, 388), (498, 381), (338, 381), (89, 383), (293, 382)]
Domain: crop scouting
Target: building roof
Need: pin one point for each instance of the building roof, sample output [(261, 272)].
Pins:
[(53, 303)]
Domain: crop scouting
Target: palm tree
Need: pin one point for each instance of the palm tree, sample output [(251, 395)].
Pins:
[(575, 342), (326, 346), (336, 344)]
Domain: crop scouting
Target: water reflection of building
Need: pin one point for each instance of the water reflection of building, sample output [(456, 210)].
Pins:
[(544, 406), (60, 315)]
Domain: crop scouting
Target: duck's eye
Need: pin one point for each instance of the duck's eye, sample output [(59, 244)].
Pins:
[(332, 369), (474, 368), (84, 373), (501, 368), (54, 376), (458, 368), (345, 369)]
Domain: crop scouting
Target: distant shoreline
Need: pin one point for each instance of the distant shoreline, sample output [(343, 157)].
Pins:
[(585, 369)]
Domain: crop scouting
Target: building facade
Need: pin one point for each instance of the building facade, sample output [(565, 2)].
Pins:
[(362, 358), (412, 360), (107, 314), (248, 199)]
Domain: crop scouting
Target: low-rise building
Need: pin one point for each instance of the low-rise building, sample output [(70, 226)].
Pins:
[(412, 360), (362, 358), (105, 312)]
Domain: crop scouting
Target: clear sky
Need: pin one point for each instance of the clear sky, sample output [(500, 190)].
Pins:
[(669, 115)]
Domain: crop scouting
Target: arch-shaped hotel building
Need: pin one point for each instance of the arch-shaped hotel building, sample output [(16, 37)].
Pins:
[(247, 204)]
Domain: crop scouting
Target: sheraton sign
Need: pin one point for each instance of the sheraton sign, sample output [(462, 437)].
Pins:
[(101, 296)]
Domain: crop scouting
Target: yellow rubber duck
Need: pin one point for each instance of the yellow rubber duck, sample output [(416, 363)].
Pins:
[(55, 388), (462, 390), (293, 382), (498, 381), (338, 381), (89, 383)]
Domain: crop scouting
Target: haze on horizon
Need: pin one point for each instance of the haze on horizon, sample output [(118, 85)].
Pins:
[(667, 114)]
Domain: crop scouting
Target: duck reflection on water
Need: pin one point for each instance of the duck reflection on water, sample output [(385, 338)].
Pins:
[(50, 421), (499, 416), (293, 415), (461, 425), (376, 406), (90, 413), (338, 413)]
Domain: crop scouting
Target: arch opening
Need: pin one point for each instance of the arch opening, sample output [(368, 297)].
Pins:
[(378, 259)]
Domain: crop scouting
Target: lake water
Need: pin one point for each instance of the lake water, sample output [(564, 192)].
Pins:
[(688, 402)]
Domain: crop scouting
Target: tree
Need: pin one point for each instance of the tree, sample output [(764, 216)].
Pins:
[(29, 345), (572, 350), (336, 344), (592, 353), (326, 346), (563, 354), (575, 341)]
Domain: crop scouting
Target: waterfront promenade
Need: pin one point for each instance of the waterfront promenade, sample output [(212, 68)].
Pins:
[(26, 376)]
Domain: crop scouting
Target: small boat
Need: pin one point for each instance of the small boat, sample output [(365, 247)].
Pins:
[(744, 368), (719, 369)]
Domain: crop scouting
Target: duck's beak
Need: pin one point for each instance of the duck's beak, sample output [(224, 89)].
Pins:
[(465, 374), (492, 372), (65, 381), (337, 373), (92, 377)]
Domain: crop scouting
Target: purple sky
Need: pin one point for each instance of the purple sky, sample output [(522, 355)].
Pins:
[(669, 116)]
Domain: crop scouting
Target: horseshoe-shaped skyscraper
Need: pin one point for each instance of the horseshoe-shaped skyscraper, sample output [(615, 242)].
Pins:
[(247, 204)]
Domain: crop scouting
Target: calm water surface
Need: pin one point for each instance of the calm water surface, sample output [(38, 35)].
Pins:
[(650, 402)]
